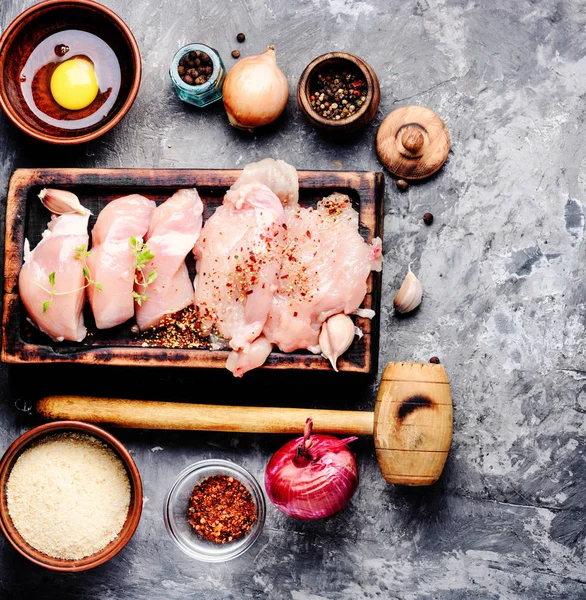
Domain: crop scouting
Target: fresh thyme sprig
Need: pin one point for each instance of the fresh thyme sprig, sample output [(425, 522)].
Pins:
[(143, 255), (81, 254)]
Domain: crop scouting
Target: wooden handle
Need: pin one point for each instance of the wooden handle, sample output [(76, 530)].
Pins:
[(413, 423), (147, 414)]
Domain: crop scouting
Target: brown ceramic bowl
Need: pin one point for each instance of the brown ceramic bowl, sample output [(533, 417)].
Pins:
[(38, 22), (362, 117), (134, 510)]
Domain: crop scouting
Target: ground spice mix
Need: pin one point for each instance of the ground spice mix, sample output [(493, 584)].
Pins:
[(221, 509)]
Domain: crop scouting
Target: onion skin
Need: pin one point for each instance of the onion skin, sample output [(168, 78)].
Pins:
[(255, 91), (315, 487)]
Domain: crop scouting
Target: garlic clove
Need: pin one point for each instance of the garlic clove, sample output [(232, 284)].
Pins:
[(336, 335), (61, 202), (409, 295)]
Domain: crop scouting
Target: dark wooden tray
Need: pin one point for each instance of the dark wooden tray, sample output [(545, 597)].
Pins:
[(26, 218)]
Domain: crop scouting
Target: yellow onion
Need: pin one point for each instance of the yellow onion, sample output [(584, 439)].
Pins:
[(255, 91)]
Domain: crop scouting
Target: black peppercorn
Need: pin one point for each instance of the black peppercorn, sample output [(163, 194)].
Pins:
[(236, 53), (435, 360), (428, 218), (402, 184), (241, 37), (195, 68)]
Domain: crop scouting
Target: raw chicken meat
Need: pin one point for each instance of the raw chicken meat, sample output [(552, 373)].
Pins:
[(173, 231), (238, 262), (60, 315), (280, 177), (241, 361), (112, 261), (324, 271)]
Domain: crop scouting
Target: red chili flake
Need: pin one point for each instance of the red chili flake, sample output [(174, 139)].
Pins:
[(248, 292), (357, 84), (221, 509), (295, 313), (308, 233)]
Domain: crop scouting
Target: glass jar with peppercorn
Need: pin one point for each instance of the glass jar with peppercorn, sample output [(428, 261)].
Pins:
[(197, 73)]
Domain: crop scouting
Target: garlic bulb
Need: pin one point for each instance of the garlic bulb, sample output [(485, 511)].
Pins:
[(255, 91), (335, 337), (409, 295), (61, 202)]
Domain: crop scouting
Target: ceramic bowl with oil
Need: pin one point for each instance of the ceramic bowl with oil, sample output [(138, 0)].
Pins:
[(69, 70)]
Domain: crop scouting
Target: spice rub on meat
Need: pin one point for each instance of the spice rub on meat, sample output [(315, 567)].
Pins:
[(324, 270), (270, 272), (238, 258)]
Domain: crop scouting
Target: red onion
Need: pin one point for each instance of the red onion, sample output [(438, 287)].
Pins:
[(313, 476)]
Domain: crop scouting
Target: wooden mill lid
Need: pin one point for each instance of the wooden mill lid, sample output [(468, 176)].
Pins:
[(413, 142)]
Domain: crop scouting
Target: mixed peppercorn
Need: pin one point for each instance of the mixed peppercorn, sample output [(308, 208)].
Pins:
[(337, 94), (179, 330), (221, 509), (195, 68)]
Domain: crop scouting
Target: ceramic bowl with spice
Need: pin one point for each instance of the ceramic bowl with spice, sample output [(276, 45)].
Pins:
[(198, 74), (70, 496), (215, 510), (338, 93), (69, 70)]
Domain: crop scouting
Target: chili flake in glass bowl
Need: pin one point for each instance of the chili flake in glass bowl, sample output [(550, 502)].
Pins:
[(215, 510)]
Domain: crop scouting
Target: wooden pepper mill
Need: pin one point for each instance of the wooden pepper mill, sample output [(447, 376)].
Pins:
[(411, 424)]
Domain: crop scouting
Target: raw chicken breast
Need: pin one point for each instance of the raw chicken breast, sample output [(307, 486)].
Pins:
[(111, 262), (280, 177), (241, 361), (238, 262), (173, 231), (324, 272), (56, 253)]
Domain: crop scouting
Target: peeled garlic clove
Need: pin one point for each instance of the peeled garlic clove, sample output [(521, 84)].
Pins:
[(61, 202), (335, 337), (409, 295)]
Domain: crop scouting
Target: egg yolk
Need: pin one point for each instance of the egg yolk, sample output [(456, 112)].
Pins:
[(74, 84)]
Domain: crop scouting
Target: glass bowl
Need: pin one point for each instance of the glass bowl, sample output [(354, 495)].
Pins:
[(177, 503)]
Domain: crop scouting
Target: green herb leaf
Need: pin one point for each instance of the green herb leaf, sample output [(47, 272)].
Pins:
[(52, 278), (46, 305), (99, 286), (152, 276)]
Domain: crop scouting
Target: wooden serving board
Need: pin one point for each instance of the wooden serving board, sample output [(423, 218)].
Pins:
[(27, 218)]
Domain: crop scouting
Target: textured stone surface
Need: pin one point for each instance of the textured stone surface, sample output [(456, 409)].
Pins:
[(503, 269)]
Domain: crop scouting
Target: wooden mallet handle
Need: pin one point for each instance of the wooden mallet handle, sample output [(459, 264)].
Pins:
[(411, 424), (148, 414)]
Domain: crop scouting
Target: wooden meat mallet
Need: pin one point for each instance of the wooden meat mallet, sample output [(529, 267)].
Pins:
[(411, 423)]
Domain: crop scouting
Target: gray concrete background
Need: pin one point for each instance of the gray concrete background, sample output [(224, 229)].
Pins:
[(503, 268)]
